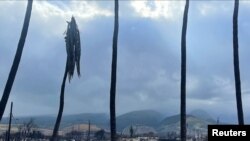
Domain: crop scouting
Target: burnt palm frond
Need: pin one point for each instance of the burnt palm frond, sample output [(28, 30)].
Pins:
[(73, 48)]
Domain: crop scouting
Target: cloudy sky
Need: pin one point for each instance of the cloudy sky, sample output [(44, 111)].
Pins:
[(148, 56)]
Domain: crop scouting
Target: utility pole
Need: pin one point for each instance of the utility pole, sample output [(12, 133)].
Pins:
[(10, 119), (218, 121)]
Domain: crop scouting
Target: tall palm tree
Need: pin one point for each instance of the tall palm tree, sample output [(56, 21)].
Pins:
[(15, 64), (236, 64), (73, 48), (113, 75), (183, 73), (10, 120)]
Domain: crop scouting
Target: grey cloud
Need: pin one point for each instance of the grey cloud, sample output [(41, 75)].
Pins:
[(148, 64)]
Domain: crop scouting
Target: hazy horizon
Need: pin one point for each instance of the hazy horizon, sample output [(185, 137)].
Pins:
[(222, 118)]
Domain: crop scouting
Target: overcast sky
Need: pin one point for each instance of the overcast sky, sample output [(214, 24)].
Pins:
[(149, 47)]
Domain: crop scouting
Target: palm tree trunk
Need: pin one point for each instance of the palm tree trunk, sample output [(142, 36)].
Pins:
[(183, 73), (10, 120), (15, 64), (113, 76), (59, 116), (236, 64)]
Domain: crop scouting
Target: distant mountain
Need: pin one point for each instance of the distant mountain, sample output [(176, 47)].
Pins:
[(172, 124), (144, 117), (202, 115), (41, 121), (144, 121), (149, 118), (98, 119)]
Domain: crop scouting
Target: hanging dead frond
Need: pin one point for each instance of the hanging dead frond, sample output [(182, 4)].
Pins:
[(73, 48)]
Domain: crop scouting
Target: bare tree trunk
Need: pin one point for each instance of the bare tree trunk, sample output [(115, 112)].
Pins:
[(113, 75), (183, 73), (14, 68), (8, 135), (236, 64), (59, 116)]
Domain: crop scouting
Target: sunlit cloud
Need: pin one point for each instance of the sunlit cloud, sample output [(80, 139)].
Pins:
[(80, 9), (158, 9)]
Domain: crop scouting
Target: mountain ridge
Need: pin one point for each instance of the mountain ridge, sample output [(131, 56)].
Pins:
[(143, 120)]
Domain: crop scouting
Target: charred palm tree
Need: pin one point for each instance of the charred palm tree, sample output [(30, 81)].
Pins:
[(236, 64), (73, 48), (17, 59), (10, 120), (113, 75), (183, 72)]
